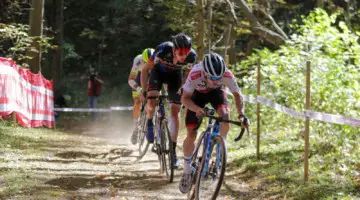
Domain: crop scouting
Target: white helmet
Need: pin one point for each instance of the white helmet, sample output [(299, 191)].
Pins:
[(214, 65)]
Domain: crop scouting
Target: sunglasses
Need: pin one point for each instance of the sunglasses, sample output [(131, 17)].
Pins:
[(183, 51), (213, 78)]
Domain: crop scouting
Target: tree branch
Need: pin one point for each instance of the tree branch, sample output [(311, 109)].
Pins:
[(258, 28), (274, 23)]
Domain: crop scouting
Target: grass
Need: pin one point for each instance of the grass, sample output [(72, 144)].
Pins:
[(28, 157), (334, 170)]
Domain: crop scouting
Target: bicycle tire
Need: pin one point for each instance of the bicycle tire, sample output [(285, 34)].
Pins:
[(167, 152), (195, 162), (199, 195), (143, 143)]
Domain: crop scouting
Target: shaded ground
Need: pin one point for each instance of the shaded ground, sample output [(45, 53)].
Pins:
[(95, 161)]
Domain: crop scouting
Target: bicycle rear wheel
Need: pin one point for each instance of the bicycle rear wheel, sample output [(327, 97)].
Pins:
[(167, 152), (143, 143), (211, 172)]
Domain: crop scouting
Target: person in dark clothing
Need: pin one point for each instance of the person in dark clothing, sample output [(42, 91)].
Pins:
[(94, 90), (60, 101)]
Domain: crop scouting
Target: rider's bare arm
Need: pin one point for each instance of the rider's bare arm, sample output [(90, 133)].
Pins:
[(145, 74), (131, 80), (239, 102)]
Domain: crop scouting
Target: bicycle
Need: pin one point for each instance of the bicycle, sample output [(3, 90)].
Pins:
[(142, 127), (163, 146), (209, 166)]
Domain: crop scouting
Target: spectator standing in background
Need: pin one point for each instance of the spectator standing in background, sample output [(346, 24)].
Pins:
[(94, 90)]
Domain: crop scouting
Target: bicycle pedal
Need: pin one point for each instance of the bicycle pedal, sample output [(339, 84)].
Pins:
[(156, 149)]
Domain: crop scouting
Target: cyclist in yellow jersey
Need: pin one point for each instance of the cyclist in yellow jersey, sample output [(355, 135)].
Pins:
[(134, 82)]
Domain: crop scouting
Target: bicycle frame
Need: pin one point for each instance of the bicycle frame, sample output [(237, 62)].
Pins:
[(211, 131), (161, 115)]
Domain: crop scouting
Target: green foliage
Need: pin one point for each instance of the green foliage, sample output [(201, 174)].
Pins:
[(333, 51), (334, 54), (107, 40), (333, 172), (15, 42)]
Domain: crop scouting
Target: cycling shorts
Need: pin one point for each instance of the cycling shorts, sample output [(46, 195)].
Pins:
[(217, 98), (172, 77)]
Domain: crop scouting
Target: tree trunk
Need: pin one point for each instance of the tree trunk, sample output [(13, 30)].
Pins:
[(252, 43), (209, 31), (58, 41), (200, 30), (320, 3), (232, 50), (36, 29), (227, 39)]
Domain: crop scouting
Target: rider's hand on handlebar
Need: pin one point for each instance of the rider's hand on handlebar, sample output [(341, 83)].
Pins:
[(142, 96), (200, 112), (244, 121)]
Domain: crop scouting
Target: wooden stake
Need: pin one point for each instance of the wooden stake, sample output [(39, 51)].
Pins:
[(307, 124), (258, 111)]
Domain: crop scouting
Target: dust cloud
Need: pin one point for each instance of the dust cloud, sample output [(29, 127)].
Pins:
[(116, 126)]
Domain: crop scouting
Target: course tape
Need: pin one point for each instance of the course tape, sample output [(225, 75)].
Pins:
[(331, 118), (93, 109), (338, 119)]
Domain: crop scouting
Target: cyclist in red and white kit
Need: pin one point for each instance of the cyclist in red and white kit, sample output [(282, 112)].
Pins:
[(204, 85)]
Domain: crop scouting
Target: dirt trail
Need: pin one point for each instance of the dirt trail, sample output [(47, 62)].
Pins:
[(119, 174), (99, 163)]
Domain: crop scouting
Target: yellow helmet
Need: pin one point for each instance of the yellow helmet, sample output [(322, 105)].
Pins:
[(146, 54)]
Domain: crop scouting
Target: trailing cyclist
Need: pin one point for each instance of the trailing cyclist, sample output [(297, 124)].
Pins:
[(204, 85), (165, 67), (134, 82)]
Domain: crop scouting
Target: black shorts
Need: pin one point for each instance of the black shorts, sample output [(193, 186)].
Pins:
[(172, 77), (217, 98)]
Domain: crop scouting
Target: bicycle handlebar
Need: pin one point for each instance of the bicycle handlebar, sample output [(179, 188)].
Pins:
[(209, 114)]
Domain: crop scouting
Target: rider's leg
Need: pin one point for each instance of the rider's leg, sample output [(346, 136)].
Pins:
[(223, 112), (150, 110), (174, 81), (174, 128), (151, 103), (188, 147), (175, 121), (153, 88), (136, 115), (219, 101), (137, 107)]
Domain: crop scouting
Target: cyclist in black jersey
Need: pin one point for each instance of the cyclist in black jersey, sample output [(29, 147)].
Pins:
[(165, 66)]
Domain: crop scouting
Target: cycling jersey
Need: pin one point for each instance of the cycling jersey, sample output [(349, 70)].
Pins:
[(164, 55), (165, 71), (134, 79), (196, 80)]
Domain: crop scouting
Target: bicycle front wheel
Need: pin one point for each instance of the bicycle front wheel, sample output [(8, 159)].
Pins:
[(212, 170), (143, 143), (167, 152)]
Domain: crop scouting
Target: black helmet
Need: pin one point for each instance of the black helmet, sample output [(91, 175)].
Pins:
[(214, 65), (181, 40)]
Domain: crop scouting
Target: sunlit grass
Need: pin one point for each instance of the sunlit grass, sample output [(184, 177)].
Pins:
[(333, 172)]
